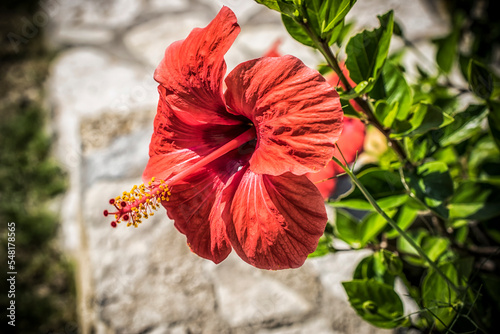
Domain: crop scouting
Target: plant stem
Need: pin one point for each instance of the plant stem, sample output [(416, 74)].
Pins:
[(393, 224)]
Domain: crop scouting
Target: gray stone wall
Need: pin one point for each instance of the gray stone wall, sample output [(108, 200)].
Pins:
[(103, 100)]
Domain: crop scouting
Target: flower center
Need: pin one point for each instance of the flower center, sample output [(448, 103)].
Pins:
[(141, 201)]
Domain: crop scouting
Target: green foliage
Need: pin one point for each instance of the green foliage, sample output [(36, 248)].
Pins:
[(393, 94), (376, 303), (367, 52), (321, 20), (428, 203), (480, 79)]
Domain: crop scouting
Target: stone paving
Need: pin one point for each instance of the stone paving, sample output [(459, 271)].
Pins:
[(103, 100)]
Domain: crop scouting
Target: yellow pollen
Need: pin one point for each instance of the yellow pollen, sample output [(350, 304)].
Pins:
[(140, 202)]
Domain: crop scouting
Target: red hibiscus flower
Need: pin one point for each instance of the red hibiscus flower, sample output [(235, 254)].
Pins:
[(230, 166)]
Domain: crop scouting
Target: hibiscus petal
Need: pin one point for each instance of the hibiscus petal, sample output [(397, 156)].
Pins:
[(196, 210), (297, 114), (193, 69), (273, 222)]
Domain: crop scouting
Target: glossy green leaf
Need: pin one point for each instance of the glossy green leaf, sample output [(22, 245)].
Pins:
[(334, 12), (371, 226), (439, 297), (379, 183), (359, 233), (272, 4), (283, 6), (386, 113), (385, 203), (385, 187), (480, 79), (425, 117), (367, 51), (335, 34), (433, 246), (417, 148), (432, 184), (391, 87), (375, 268), (447, 50), (494, 121), (324, 19), (484, 159), (466, 124), (391, 261), (376, 303), (346, 228), (296, 31), (475, 200), (346, 28), (404, 218)]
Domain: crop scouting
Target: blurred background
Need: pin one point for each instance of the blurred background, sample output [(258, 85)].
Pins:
[(77, 106)]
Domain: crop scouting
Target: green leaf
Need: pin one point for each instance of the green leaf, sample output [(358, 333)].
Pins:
[(447, 50), (439, 297), (391, 261), (296, 31), (466, 124), (391, 86), (324, 18), (335, 12), (283, 6), (480, 79), (336, 33), (273, 4), (432, 246), (484, 160), (371, 225), (385, 203), (385, 187), (367, 51), (386, 113), (346, 28), (494, 121), (417, 148), (475, 200), (358, 234), (432, 184), (376, 303), (374, 267), (379, 183), (425, 118), (405, 217), (346, 228)]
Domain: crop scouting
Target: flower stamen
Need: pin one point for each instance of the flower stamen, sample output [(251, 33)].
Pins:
[(139, 203), (142, 200)]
